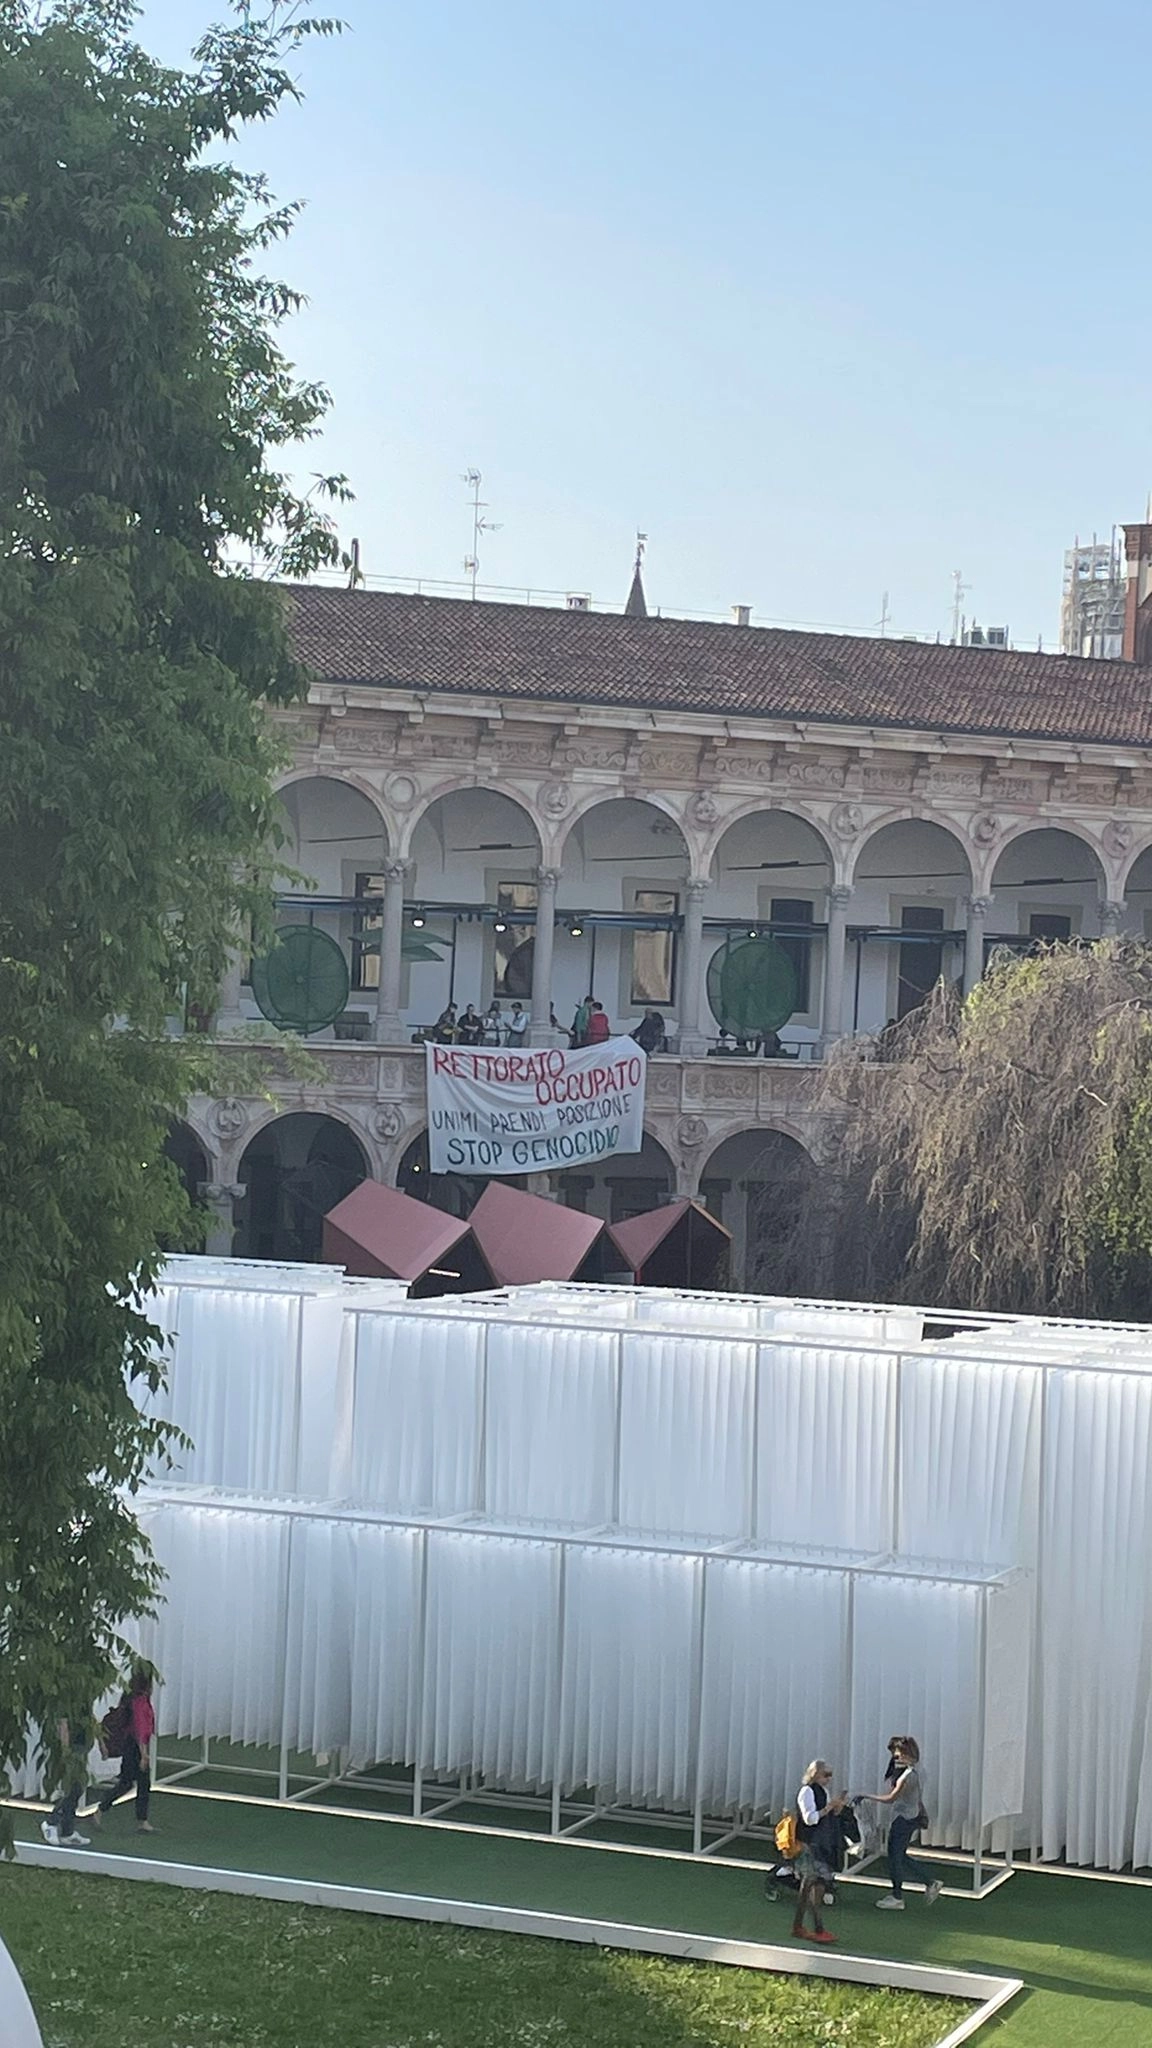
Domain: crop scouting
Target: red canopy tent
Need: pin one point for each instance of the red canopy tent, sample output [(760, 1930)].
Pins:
[(679, 1245), (525, 1238), (378, 1233)]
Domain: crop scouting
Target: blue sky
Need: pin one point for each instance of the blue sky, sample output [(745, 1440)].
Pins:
[(831, 301)]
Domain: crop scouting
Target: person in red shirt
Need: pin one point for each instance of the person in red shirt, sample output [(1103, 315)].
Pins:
[(134, 1773), (597, 1028)]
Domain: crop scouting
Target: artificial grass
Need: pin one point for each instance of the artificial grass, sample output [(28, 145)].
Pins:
[(1083, 1948), (106, 1965)]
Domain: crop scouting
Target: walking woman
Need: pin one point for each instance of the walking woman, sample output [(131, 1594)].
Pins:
[(816, 1813), (906, 1798), (134, 1757)]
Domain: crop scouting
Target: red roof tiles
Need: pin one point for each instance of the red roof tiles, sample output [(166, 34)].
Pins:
[(449, 647)]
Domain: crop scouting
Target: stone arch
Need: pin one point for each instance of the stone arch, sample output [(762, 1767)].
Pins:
[(1141, 845), (654, 800), (754, 1181), (442, 792), (294, 1167), (456, 1193), (635, 859), (1023, 828), (623, 1186), (342, 777), (1136, 890), (907, 815), (1039, 901), (757, 806)]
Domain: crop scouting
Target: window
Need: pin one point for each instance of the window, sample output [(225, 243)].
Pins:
[(366, 926), (1049, 925), (920, 964), (795, 910), (515, 946), (653, 953)]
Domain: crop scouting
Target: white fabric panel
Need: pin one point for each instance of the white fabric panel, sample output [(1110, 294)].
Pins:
[(385, 1641), (685, 1434), (551, 1424), (824, 1466), (491, 1652), (232, 1386), (415, 1432), (1096, 1618), (969, 1459), (327, 1360), (775, 1680), (218, 1638), (626, 1705), (1007, 1675), (916, 1670), (318, 1664)]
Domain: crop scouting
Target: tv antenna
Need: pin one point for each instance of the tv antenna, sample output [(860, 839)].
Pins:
[(473, 479), (885, 619), (960, 591)]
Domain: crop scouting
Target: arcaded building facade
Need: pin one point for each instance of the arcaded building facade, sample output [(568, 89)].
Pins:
[(513, 805)]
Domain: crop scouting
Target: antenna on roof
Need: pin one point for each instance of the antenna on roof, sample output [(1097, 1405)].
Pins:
[(352, 564), (960, 591), (473, 479), (885, 619)]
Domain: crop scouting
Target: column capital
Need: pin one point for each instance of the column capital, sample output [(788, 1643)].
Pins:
[(977, 906), (396, 870), (697, 887), (219, 1193), (548, 879), (840, 894), (1112, 915)]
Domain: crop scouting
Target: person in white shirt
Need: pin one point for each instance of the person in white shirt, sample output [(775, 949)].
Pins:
[(906, 1799), (815, 1865), (516, 1025)]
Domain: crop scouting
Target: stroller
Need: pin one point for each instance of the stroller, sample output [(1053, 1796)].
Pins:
[(842, 1838)]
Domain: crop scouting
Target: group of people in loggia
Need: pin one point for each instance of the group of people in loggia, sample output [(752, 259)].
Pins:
[(817, 1838)]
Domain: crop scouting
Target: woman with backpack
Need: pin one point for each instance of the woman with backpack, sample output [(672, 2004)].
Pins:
[(134, 1723), (906, 1798), (816, 1817)]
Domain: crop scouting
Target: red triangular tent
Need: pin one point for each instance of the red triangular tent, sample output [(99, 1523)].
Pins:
[(379, 1233), (679, 1245), (525, 1238)]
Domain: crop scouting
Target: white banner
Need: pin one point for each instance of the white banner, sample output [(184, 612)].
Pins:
[(528, 1112)]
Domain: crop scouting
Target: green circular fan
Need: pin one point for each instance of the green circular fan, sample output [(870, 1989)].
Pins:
[(301, 982), (751, 987)]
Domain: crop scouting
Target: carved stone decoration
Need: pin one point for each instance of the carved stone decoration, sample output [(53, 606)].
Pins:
[(228, 1117), (356, 1070), (1117, 837), (391, 1074), (703, 809), (555, 798), (663, 1084), (400, 790), (847, 821), (387, 1123), (691, 1131), (985, 828)]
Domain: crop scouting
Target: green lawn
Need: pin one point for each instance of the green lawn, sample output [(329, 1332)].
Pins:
[(109, 1965), (1084, 1949)]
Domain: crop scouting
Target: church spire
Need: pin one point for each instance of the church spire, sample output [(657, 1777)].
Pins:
[(637, 605)]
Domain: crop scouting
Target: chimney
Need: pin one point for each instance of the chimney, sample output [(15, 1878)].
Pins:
[(1138, 601), (741, 614), (579, 601)]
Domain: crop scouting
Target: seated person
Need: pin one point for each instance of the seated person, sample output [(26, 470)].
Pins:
[(649, 1033), (471, 1027)]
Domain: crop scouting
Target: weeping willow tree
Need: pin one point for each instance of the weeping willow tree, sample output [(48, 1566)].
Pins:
[(994, 1153)]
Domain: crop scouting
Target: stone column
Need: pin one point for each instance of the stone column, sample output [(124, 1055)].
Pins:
[(218, 1199), (1112, 915), (228, 1011), (976, 910), (693, 1043), (832, 1015), (540, 1027), (389, 1029)]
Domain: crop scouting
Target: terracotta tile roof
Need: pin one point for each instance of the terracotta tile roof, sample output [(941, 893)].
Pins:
[(449, 647)]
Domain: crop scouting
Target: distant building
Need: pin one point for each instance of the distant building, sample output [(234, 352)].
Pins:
[(1095, 594)]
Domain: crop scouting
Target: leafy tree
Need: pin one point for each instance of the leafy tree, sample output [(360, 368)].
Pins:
[(144, 401), (998, 1152)]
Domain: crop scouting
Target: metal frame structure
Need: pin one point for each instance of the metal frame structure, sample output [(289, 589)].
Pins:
[(566, 1814)]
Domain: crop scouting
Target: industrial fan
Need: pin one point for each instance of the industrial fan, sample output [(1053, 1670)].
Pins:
[(301, 982)]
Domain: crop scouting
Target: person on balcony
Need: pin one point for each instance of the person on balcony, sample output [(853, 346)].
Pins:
[(516, 1026), (493, 1033), (579, 1033), (471, 1027), (649, 1033), (444, 1029), (598, 1028)]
